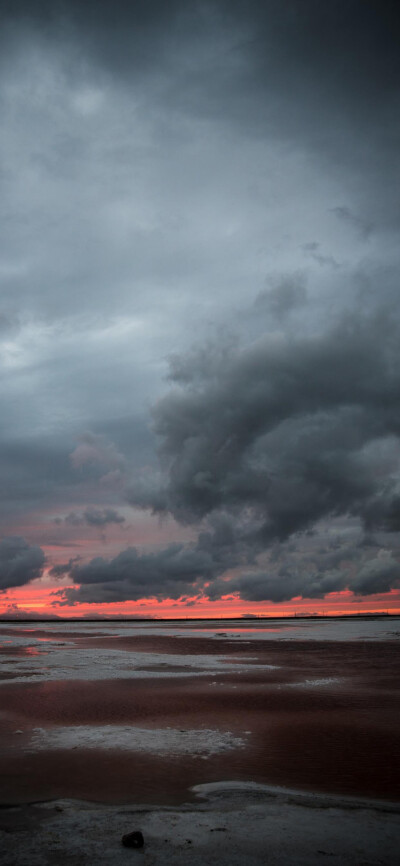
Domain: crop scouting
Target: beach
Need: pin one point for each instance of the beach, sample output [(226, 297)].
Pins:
[(231, 825), (282, 734)]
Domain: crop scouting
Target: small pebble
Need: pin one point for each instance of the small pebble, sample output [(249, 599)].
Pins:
[(133, 840)]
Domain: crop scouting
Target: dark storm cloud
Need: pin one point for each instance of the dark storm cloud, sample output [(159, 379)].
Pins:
[(20, 562), (169, 573), (262, 586), (262, 443), (172, 572), (64, 568), (295, 430), (344, 50), (122, 38), (285, 433), (101, 20), (343, 41), (335, 64), (376, 575), (298, 568), (312, 565)]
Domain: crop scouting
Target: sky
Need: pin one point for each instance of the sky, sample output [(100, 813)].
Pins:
[(199, 317)]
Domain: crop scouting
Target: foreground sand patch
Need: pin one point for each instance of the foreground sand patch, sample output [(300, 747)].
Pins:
[(160, 741), (230, 828)]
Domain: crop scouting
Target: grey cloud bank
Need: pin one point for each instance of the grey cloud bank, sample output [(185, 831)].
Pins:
[(98, 517), (266, 442), (220, 176), (19, 562), (295, 429)]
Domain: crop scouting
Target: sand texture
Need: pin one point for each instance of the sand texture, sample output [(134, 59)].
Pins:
[(232, 825)]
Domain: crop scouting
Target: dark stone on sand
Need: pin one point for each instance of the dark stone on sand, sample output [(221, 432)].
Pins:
[(133, 840)]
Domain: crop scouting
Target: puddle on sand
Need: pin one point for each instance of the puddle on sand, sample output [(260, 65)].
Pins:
[(323, 713)]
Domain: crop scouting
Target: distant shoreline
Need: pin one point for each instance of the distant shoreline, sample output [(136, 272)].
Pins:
[(247, 619)]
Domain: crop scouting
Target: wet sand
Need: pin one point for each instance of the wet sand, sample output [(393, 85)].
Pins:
[(322, 718), (108, 730)]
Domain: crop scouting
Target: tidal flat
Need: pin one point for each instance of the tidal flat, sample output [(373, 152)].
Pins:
[(269, 719)]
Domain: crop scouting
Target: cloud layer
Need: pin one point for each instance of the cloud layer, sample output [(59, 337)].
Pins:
[(199, 266), (296, 429), (20, 562), (270, 440)]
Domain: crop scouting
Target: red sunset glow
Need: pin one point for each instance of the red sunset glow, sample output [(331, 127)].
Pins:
[(38, 598)]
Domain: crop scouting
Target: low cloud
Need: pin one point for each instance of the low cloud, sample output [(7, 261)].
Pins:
[(280, 435), (294, 430), (20, 562), (169, 573), (258, 445), (98, 517), (173, 572), (15, 612), (377, 575), (64, 568)]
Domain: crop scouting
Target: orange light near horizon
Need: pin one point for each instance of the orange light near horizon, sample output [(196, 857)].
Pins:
[(38, 597)]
